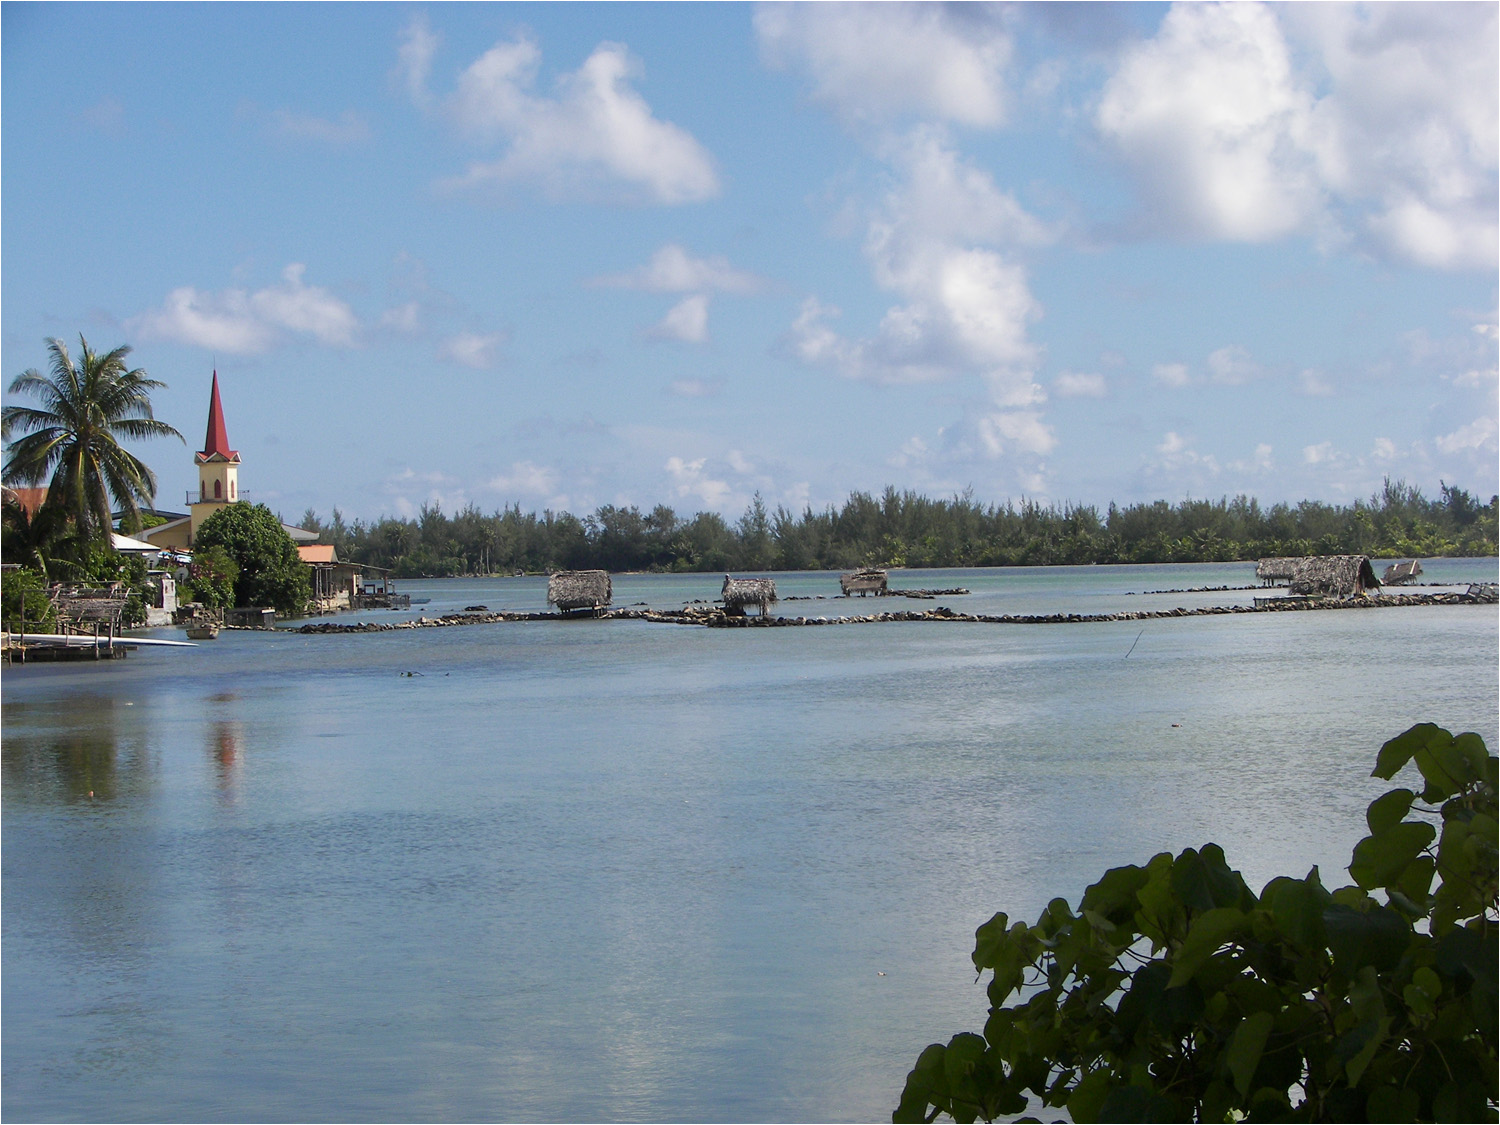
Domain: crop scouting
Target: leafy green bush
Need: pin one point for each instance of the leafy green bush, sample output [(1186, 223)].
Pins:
[(1174, 993), (23, 599)]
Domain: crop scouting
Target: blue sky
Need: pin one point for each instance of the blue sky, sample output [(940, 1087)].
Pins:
[(571, 255)]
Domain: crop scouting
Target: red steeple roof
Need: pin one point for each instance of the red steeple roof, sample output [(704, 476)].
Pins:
[(217, 440)]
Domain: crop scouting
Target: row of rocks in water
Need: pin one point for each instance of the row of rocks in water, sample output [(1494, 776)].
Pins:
[(714, 617)]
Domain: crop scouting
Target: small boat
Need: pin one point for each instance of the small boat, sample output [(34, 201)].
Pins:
[(205, 632)]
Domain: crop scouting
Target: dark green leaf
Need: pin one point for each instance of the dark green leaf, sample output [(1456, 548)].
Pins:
[(1376, 937), (1401, 749), (1209, 931), (1245, 1048), (1386, 811), (1382, 859)]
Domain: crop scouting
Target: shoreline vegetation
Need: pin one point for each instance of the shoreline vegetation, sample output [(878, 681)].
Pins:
[(901, 529), (714, 617)]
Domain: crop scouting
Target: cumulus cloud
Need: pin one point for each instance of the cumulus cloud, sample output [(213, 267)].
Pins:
[(878, 61), (243, 322), (1312, 383), (1171, 374), (696, 388), (1205, 113), (689, 479), (1477, 435), (348, 128), (1318, 454), (1375, 122), (598, 135), (942, 240), (1076, 384), (1232, 366), (405, 318), (1259, 463), (473, 349), (525, 478), (673, 270), (687, 321), (414, 59)]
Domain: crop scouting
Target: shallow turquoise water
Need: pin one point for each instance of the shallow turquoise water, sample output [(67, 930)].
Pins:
[(612, 870)]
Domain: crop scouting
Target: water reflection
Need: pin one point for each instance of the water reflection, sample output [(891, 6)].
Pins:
[(226, 748), (87, 752)]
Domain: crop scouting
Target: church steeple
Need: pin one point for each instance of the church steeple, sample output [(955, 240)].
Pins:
[(216, 441), (218, 467)]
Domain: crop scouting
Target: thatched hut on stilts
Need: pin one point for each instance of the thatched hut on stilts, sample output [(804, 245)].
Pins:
[(1398, 574), (1275, 571), (1334, 576), (740, 593), (575, 591), (864, 581)]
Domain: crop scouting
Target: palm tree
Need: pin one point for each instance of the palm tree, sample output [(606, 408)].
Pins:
[(73, 440)]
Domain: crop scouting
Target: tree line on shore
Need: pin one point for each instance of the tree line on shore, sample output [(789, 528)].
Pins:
[(904, 529)]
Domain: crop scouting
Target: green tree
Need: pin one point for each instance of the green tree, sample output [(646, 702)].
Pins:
[(72, 440), (1175, 993), (211, 577), (270, 571), (34, 539)]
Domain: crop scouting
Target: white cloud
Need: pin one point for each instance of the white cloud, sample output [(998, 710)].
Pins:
[(403, 318), (1177, 458), (1319, 454), (688, 479), (1232, 366), (1260, 462), (1384, 449), (414, 59), (1171, 374), (1249, 122), (875, 61), (1015, 431), (242, 322), (940, 240), (1312, 383), (525, 478), (596, 135), (1204, 113), (687, 321), (1171, 443), (348, 128), (739, 462), (1076, 384), (696, 388), (673, 270), (473, 349), (1477, 435)]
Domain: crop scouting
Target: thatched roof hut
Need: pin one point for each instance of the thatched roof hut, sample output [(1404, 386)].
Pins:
[(1334, 576), (865, 580), (1399, 573), (740, 593), (572, 590), (1272, 572)]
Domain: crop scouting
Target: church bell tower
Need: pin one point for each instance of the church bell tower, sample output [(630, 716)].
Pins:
[(218, 467)]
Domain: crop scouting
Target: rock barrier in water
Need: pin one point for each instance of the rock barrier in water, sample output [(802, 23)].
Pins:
[(713, 617)]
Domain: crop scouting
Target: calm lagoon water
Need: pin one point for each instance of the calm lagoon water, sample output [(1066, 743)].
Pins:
[(596, 870)]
